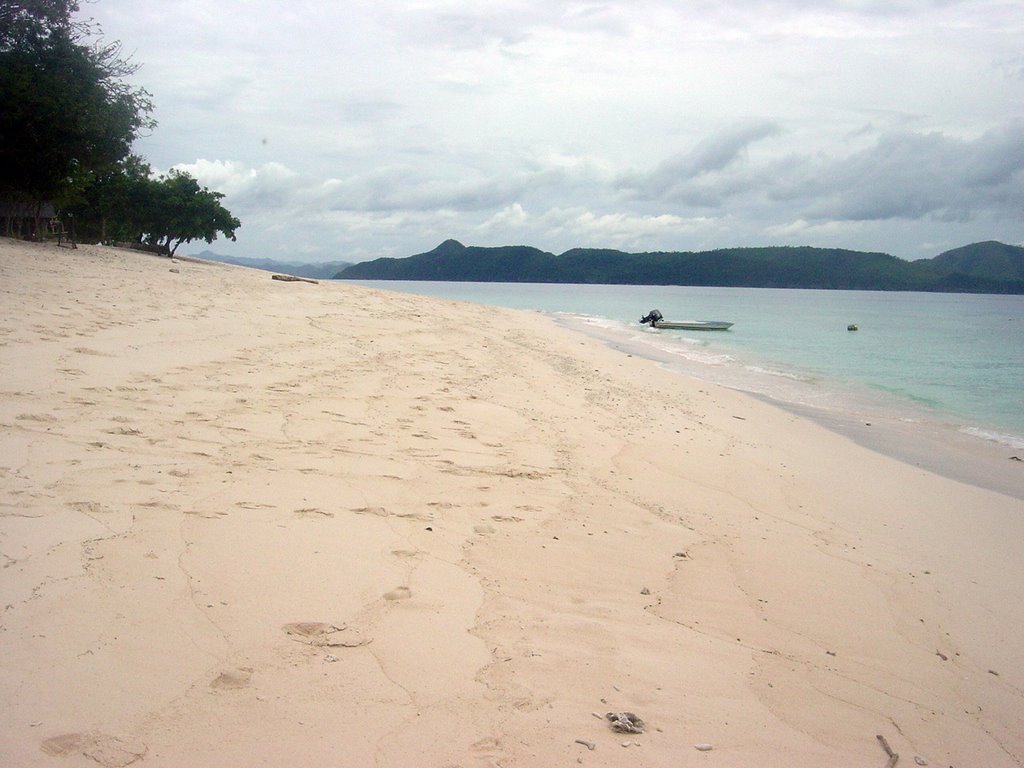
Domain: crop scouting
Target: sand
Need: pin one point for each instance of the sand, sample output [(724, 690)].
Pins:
[(249, 522)]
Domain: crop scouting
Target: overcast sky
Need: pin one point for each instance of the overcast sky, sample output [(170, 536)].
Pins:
[(343, 130)]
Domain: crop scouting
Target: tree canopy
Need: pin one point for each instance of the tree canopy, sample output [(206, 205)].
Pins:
[(130, 204), (67, 126), (67, 111), (180, 211)]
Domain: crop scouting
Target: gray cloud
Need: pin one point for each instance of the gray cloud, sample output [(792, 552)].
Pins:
[(348, 128), (911, 176), (673, 178)]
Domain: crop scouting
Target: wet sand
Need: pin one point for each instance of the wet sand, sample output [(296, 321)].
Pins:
[(934, 447)]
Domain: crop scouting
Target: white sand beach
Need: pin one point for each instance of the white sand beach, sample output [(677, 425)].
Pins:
[(246, 522)]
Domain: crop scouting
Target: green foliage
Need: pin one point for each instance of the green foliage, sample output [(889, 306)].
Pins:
[(988, 261), (31, 22), (130, 205), (777, 267), (113, 207), (67, 125), (180, 211), (67, 114)]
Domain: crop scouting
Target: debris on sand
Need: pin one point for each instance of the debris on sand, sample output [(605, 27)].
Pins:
[(625, 722)]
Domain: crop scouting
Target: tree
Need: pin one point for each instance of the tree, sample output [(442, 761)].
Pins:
[(29, 22), (67, 123), (113, 207), (67, 114), (129, 204), (179, 211)]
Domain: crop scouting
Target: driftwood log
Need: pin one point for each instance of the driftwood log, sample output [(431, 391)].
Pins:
[(294, 279)]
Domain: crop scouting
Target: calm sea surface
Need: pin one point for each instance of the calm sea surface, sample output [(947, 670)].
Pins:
[(948, 359)]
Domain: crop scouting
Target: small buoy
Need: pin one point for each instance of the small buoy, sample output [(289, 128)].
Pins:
[(851, 327)]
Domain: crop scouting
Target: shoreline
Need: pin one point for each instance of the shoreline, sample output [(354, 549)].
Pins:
[(946, 451), (943, 449), (244, 521)]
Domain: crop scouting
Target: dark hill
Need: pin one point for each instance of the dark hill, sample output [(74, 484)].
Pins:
[(451, 260), (990, 261), (770, 267)]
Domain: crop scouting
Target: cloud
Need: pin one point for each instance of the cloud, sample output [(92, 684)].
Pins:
[(504, 26), (709, 199), (408, 188), (626, 231), (272, 185), (912, 175), (510, 218), (384, 128), (672, 177), (900, 175), (802, 231)]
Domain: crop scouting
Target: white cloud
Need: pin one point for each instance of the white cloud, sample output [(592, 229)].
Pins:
[(802, 230), (620, 230), (510, 218)]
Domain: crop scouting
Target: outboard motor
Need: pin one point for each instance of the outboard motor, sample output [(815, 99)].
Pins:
[(651, 317)]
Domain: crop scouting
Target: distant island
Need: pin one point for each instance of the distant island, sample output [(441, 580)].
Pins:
[(320, 271), (987, 267)]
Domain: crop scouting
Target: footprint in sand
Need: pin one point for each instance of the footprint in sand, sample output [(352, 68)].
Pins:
[(312, 512), (406, 553), (89, 507), (325, 635), (398, 593), (489, 747), (108, 751), (382, 512), (375, 511), (45, 418), (415, 516), (232, 679)]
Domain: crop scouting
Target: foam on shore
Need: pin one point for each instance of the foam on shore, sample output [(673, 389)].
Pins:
[(982, 458)]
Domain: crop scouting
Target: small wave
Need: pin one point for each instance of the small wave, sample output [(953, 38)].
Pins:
[(1013, 441), (692, 351), (791, 375), (599, 322)]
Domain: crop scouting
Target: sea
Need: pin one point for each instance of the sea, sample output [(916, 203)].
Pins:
[(954, 362)]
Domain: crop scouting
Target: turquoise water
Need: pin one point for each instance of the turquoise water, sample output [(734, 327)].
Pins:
[(952, 359)]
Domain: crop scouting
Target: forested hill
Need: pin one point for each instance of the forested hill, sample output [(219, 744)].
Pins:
[(980, 268), (988, 267)]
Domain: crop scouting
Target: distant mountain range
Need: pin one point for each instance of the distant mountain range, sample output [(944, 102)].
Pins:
[(323, 271), (988, 267)]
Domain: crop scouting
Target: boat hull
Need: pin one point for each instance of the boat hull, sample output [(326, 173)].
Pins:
[(693, 325)]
